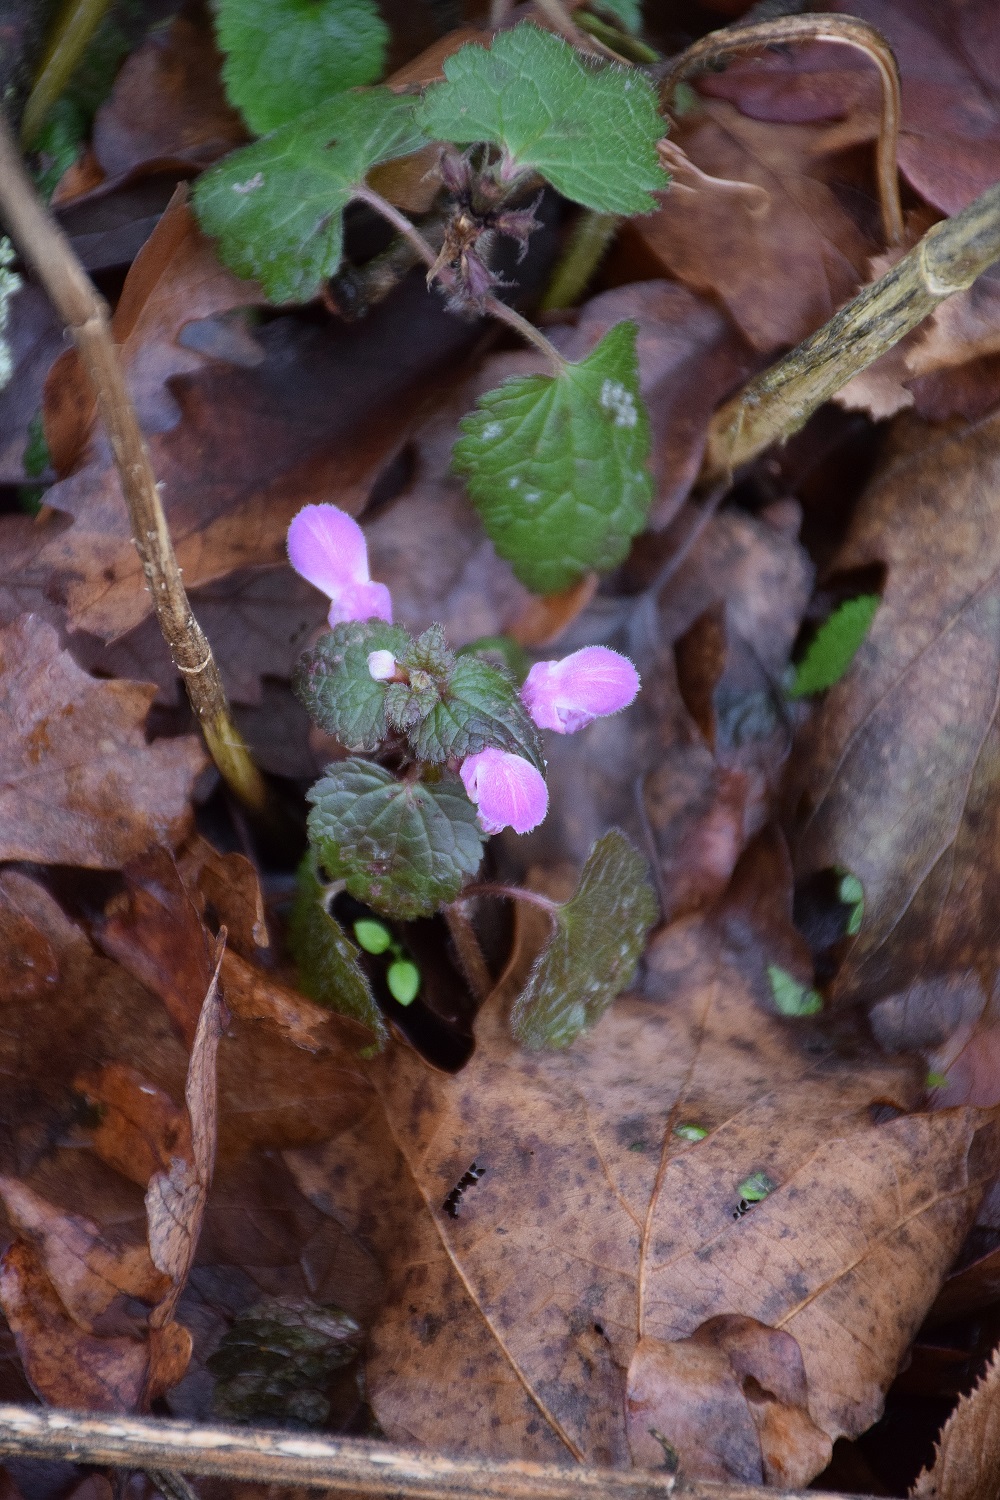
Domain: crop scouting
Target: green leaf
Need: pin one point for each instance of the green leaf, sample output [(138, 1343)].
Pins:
[(598, 939), (404, 847), (403, 980), (790, 997), (479, 706), (756, 1187), (287, 56), (835, 646), (276, 207), (592, 131), (333, 681), (689, 1131), (556, 465), (628, 12), (276, 1361), (329, 971), (852, 893)]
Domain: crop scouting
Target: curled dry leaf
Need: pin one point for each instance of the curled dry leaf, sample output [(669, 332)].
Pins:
[(752, 220), (585, 1223), (896, 778), (80, 785)]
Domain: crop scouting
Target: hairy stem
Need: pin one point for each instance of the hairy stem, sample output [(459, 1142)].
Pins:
[(470, 955), (820, 28), (588, 244), (492, 305), (513, 893), (43, 244), (68, 39), (778, 402)]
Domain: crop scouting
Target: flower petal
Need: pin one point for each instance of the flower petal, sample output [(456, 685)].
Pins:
[(361, 601), (381, 665), (327, 547), (565, 695), (508, 790)]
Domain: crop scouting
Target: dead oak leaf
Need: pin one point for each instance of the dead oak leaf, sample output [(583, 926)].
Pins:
[(79, 784), (583, 1222)]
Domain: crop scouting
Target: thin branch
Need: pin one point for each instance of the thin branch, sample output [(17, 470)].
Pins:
[(778, 402), (43, 244), (67, 42), (312, 1459), (492, 305), (847, 30)]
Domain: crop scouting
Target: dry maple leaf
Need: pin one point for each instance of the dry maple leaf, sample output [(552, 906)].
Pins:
[(564, 1219), (80, 785)]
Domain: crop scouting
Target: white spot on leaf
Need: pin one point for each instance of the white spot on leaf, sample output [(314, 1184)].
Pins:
[(619, 401)]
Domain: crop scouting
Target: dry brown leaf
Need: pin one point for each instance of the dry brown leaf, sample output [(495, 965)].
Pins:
[(967, 1454), (751, 220), (28, 964), (140, 1128), (80, 785), (229, 884), (896, 779), (509, 1325)]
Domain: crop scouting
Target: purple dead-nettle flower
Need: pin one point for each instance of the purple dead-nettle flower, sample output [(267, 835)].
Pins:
[(508, 790), (327, 547), (565, 695), (382, 665)]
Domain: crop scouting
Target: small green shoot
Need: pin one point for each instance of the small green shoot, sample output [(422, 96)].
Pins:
[(372, 936), (834, 647), (403, 980), (790, 997), (851, 893), (689, 1131), (937, 1080), (756, 1187)]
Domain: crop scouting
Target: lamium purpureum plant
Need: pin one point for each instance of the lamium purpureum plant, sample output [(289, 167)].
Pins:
[(556, 464), (444, 750)]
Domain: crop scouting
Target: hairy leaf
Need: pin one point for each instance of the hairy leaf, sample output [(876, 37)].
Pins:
[(835, 646), (598, 938), (334, 683), (479, 707), (329, 970), (276, 1361), (591, 131), (290, 55), (276, 206), (402, 847), (556, 465)]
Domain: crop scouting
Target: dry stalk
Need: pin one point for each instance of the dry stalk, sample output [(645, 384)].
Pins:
[(775, 404), (355, 1465), (43, 244), (819, 28)]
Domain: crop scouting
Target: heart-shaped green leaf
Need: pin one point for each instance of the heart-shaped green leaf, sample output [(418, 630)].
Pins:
[(336, 686)]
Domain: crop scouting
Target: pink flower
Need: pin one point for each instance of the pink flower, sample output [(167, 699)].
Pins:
[(508, 790), (327, 547), (565, 695)]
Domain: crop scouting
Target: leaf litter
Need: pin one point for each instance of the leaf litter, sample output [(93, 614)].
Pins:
[(709, 1229)]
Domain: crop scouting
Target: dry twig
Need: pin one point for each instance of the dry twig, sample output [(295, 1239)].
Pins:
[(355, 1465), (43, 244), (775, 404)]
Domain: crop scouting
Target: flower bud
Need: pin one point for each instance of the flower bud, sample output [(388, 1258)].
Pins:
[(565, 695), (327, 547), (508, 790), (382, 665)]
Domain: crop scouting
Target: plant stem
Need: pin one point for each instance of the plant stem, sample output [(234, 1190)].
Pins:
[(470, 955), (513, 893), (588, 244), (778, 402), (69, 37), (43, 244), (492, 305), (313, 1459), (847, 30)]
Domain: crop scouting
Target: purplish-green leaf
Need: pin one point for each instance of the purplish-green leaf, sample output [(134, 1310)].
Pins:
[(403, 847), (597, 941), (329, 971)]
